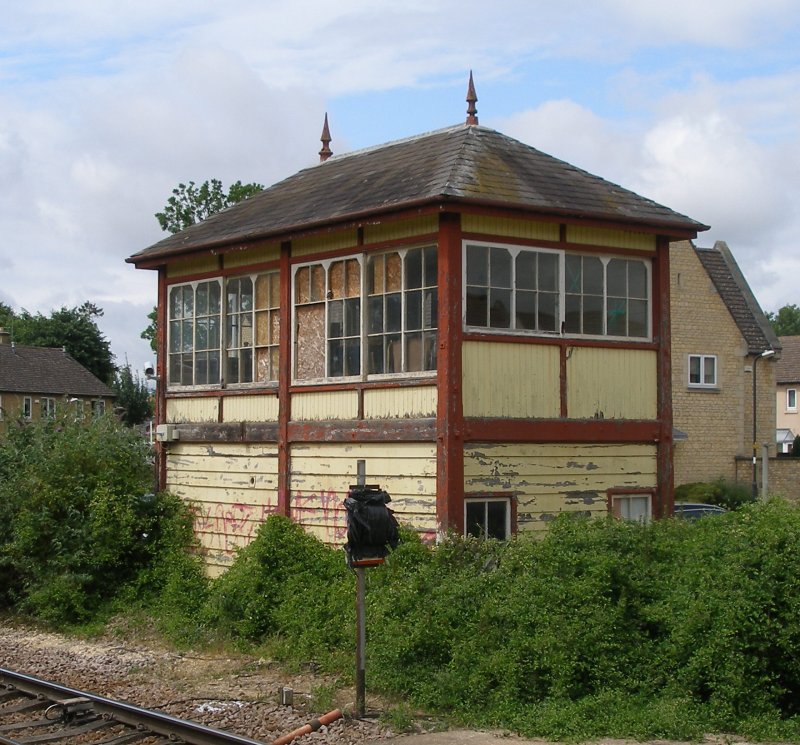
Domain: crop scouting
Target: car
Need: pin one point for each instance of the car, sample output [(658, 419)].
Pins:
[(696, 510)]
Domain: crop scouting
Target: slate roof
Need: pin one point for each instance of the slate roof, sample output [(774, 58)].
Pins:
[(732, 287), (787, 368), (44, 370), (465, 163)]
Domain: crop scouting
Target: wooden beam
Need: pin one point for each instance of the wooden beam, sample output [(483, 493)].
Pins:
[(450, 411), (561, 430), (284, 380)]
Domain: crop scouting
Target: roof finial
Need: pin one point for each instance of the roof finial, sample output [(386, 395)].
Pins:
[(472, 99), (326, 151)]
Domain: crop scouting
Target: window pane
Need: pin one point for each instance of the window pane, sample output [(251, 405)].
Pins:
[(414, 269), (413, 352), (548, 311), (573, 271), (637, 279), (526, 310), (694, 369), (375, 356), (592, 276), (477, 306), (592, 315), (430, 309), (430, 351), (496, 520), (394, 317), (710, 371), (500, 267), (526, 270), (572, 314), (336, 358), (394, 354), (352, 354), (413, 310), (548, 272), (352, 325), (475, 518), (202, 299), (336, 318), (375, 314), (431, 278), (477, 265), (617, 278), (637, 318), (500, 310), (616, 321)]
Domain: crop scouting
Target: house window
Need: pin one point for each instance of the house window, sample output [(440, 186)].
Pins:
[(488, 517), (547, 291), (512, 288), (194, 333), (402, 309), (791, 399), (399, 307), (98, 408), (637, 507), (27, 408), (702, 370), (48, 407)]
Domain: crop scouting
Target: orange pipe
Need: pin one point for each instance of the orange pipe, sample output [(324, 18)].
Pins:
[(312, 726)]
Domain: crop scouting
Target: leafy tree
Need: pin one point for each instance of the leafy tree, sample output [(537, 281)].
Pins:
[(190, 204), (133, 396), (786, 322), (75, 329)]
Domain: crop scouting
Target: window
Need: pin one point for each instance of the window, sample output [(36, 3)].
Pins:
[(488, 517), (48, 407), (398, 330), (512, 288), (637, 507), (402, 309), (702, 370), (98, 408), (544, 291), (194, 333), (27, 407), (246, 326), (791, 399)]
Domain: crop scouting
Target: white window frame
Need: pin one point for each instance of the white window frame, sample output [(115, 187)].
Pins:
[(791, 400), (514, 251), (363, 334), (703, 360), (620, 504), (98, 408), (486, 501), (27, 408), (47, 407)]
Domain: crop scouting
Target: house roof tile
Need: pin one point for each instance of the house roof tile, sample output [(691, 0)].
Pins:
[(732, 287), (787, 369), (46, 370), (466, 163)]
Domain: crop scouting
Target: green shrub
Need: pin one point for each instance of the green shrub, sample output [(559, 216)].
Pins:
[(75, 525), (728, 494)]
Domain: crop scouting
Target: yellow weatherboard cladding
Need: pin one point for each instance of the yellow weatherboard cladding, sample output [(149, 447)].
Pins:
[(180, 410), (417, 402), (262, 408)]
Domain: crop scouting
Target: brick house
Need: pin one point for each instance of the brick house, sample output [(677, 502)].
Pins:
[(39, 382), (787, 383), (719, 333), (478, 327)]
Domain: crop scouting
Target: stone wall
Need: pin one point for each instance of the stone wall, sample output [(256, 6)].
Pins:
[(783, 476)]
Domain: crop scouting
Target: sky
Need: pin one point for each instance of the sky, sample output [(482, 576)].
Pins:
[(105, 107)]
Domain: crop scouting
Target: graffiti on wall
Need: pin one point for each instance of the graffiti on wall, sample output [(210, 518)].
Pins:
[(226, 526)]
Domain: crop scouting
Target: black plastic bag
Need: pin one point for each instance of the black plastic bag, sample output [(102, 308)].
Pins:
[(371, 526)]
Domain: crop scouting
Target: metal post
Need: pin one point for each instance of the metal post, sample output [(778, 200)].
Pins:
[(754, 492), (361, 617), (361, 641), (764, 471)]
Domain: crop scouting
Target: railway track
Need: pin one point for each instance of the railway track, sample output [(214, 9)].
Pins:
[(37, 712)]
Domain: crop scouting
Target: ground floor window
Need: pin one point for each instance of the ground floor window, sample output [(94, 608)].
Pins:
[(488, 517), (27, 407), (48, 407), (636, 506)]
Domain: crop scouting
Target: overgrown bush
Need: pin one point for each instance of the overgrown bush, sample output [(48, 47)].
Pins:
[(728, 494), (77, 525)]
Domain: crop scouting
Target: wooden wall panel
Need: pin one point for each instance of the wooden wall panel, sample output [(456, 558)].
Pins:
[(513, 228), (252, 255), (511, 380), (327, 242), (611, 383), (611, 238), (201, 409), (322, 475), (321, 405), (415, 402), (263, 408), (397, 229), (194, 265), (549, 479), (233, 488)]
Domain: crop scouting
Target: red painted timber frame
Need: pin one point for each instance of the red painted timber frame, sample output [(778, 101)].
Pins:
[(449, 412)]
